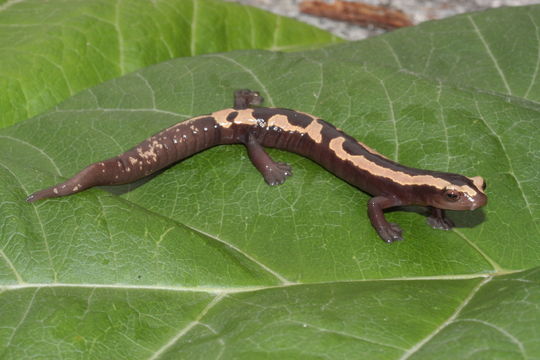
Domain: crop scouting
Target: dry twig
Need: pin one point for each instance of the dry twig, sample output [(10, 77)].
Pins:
[(358, 13)]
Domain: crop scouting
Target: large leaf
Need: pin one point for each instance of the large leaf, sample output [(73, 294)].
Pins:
[(206, 261), (50, 50)]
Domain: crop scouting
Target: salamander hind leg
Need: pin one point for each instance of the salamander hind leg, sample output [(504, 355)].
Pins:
[(438, 220), (274, 173), (245, 98)]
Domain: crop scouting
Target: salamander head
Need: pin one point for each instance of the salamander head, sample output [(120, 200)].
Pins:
[(462, 194)]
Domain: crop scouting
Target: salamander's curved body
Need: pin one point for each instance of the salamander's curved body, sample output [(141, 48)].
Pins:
[(390, 183)]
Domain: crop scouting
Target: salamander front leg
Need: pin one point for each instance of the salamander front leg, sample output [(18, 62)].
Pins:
[(389, 232), (438, 220), (274, 173)]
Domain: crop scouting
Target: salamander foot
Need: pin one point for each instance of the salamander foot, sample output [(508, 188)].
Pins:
[(246, 98), (391, 233), (277, 173), (438, 220), (440, 223)]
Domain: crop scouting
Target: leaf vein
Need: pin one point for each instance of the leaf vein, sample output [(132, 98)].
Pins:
[(193, 43), (119, 38), (344, 334), (502, 331), (23, 318), (9, 4), (491, 55), (446, 323), (187, 328), (535, 75), (393, 120), (35, 148), (280, 277), (511, 171), (11, 267), (493, 263), (231, 290), (444, 126), (40, 222)]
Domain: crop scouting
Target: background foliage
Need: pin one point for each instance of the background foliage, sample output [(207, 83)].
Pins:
[(50, 50)]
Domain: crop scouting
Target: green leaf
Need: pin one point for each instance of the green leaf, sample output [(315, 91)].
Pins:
[(51, 50), (206, 261)]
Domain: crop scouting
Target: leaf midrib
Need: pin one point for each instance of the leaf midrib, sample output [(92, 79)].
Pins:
[(248, 289)]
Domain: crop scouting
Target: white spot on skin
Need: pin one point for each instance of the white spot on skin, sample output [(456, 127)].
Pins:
[(132, 160), (75, 188), (150, 153), (55, 190)]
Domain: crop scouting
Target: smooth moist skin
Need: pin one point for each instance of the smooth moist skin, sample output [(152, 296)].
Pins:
[(390, 183)]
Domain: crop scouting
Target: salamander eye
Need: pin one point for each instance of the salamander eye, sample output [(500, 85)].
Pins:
[(484, 186), (451, 195)]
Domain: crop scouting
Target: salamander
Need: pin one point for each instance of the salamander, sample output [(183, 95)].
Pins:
[(390, 183)]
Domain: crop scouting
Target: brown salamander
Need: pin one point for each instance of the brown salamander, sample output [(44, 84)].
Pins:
[(390, 183)]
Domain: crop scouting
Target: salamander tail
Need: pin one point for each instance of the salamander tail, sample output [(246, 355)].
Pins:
[(81, 181), (42, 194)]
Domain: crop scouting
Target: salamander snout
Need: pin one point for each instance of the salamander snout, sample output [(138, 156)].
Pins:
[(480, 198), (478, 201)]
